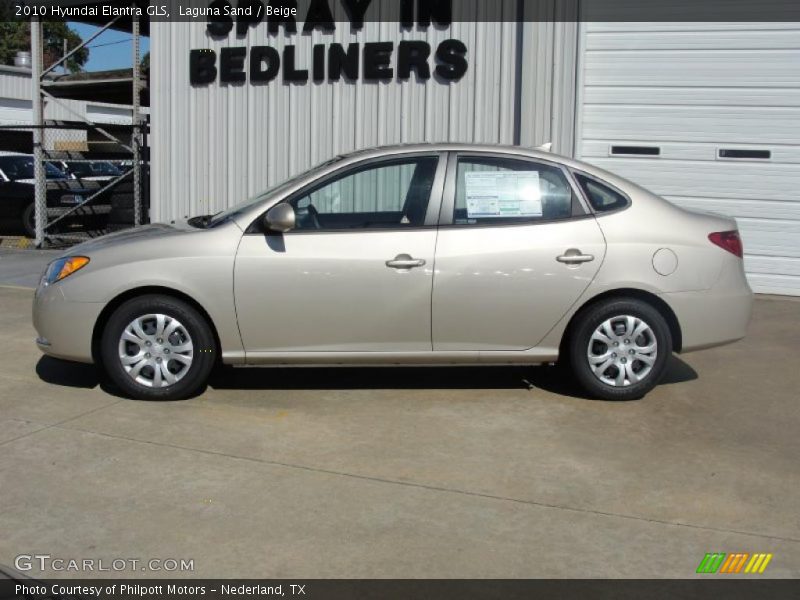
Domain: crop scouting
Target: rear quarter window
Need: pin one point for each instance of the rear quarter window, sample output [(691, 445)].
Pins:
[(601, 197)]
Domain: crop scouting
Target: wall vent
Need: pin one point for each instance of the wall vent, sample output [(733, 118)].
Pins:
[(635, 151)]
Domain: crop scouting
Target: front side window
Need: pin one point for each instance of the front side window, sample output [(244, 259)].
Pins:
[(507, 191), (385, 195)]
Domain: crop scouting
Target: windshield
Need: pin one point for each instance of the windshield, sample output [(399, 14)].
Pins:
[(238, 209), (93, 169), (21, 167)]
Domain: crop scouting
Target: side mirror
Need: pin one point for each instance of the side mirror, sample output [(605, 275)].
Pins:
[(280, 218)]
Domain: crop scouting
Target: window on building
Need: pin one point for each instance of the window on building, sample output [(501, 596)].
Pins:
[(383, 195), (507, 191)]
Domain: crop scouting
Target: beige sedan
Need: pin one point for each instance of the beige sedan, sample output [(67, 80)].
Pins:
[(410, 255)]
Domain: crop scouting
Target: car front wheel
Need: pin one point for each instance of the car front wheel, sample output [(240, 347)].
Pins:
[(620, 348), (158, 348), (29, 220)]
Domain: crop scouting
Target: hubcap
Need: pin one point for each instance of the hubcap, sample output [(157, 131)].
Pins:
[(156, 350), (622, 351)]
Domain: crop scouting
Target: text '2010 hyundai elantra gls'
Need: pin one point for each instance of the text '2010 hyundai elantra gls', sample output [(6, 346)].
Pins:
[(409, 255)]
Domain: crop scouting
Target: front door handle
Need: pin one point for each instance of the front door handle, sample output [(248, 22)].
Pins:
[(573, 256), (404, 261)]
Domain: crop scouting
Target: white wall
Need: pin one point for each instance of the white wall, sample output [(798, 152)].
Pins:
[(691, 89)]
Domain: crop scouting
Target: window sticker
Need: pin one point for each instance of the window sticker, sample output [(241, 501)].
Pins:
[(503, 194)]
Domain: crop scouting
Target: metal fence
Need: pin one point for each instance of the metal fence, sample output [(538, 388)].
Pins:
[(96, 168), (82, 183)]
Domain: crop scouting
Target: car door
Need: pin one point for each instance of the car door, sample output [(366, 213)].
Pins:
[(516, 248), (355, 274)]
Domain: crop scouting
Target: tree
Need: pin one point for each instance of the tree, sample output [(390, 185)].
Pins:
[(145, 63), (16, 36)]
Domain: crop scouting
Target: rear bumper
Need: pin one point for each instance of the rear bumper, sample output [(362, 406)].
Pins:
[(64, 327), (716, 316)]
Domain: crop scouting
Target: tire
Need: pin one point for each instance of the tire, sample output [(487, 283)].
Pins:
[(29, 220), (191, 338), (634, 366)]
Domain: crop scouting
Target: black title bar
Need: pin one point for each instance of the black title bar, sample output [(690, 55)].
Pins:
[(406, 12), (387, 589)]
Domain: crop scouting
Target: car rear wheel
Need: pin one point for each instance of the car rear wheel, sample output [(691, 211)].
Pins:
[(620, 348), (158, 348)]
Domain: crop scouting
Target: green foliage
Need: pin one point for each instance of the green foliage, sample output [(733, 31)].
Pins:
[(16, 35)]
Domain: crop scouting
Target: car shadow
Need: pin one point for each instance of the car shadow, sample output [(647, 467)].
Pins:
[(67, 374), (549, 378)]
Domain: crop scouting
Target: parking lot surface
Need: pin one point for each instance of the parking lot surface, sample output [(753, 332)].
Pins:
[(437, 472)]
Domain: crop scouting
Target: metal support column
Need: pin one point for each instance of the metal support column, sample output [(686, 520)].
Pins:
[(40, 194), (136, 141)]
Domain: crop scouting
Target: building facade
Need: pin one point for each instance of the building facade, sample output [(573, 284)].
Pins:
[(706, 114)]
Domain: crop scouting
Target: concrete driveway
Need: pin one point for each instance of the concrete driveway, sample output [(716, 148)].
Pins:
[(445, 472)]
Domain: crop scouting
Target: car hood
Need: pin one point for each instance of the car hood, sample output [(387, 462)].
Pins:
[(130, 236)]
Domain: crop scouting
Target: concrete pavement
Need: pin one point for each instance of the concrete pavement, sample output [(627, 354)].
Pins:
[(436, 472), (23, 267)]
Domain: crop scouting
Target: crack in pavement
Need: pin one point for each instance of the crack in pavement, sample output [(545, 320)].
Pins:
[(58, 423)]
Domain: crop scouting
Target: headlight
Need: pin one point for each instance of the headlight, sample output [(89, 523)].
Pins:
[(63, 267)]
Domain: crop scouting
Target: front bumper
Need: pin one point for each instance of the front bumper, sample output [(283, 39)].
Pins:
[(64, 326)]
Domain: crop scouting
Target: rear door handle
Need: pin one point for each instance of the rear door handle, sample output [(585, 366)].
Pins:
[(573, 256), (404, 261)]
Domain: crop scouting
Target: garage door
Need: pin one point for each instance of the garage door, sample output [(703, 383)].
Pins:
[(708, 116)]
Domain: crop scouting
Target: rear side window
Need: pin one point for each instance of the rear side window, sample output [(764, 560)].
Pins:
[(505, 191), (601, 197)]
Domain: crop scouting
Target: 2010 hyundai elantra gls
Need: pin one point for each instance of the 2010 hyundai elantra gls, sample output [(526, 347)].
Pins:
[(409, 255)]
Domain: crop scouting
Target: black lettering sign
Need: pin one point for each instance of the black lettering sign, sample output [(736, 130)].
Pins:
[(438, 11), (202, 66), (291, 73), (245, 20), (377, 58), (355, 11), (372, 61), (413, 55), (220, 25), (231, 65), (451, 55), (319, 17), (318, 69), (260, 56), (285, 20), (343, 62)]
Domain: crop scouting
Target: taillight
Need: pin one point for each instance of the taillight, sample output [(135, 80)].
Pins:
[(728, 240)]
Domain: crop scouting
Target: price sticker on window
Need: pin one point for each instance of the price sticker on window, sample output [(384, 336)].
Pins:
[(503, 194)]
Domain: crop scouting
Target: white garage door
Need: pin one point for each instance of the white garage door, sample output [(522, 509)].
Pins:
[(708, 116)]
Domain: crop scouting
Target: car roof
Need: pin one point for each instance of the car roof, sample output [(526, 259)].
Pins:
[(534, 153), (445, 147)]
